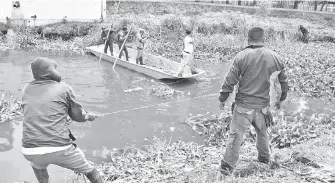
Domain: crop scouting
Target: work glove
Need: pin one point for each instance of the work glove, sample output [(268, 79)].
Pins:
[(222, 98), (222, 104), (268, 119), (90, 117), (278, 105)]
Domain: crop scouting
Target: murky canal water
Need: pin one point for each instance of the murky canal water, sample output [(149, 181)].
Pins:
[(102, 90)]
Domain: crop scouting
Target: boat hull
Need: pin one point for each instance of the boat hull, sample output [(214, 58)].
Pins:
[(155, 66)]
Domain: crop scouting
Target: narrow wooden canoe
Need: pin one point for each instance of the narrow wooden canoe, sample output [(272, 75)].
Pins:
[(155, 66)]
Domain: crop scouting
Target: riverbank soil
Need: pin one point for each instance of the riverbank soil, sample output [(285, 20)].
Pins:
[(302, 140)]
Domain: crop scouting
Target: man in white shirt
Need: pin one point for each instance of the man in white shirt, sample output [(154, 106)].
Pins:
[(141, 39), (187, 53)]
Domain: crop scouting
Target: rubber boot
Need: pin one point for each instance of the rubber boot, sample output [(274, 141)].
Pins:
[(94, 176), (264, 160), (225, 169), (42, 175)]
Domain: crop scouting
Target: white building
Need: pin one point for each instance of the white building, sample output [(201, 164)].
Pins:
[(48, 11)]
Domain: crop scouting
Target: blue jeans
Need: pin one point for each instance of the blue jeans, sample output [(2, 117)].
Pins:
[(242, 119)]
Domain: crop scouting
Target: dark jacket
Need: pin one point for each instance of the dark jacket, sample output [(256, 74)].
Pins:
[(104, 36), (46, 104), (252, 69)]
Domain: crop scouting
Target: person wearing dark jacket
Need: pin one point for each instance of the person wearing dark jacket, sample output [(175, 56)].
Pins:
[(252, 70), (109, 42), (47, 103), (122, 38)]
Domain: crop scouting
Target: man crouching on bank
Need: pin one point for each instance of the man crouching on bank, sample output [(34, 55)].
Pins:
[(46, 104)]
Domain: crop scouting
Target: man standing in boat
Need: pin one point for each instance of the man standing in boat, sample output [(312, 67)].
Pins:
[(109, 42), (187, 53), (141, 39), (252, 70), (122, 38), (47, 103)]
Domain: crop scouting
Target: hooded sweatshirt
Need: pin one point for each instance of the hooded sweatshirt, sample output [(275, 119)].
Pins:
[(46, 104)]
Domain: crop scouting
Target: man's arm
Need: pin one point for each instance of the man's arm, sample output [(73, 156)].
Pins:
[(232, 78), (123, 36), (76, 110), (191, 41), (103, 37), (282, 77), (144, 39)]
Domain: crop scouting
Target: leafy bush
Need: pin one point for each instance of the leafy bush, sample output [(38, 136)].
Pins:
[(310, 67), (3, 28), (172, 24), (9, 107), (289, 130), (67, 31), (298, 127), (210, 29)]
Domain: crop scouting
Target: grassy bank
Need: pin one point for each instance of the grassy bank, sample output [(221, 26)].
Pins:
[(164, 161), (301, 148)]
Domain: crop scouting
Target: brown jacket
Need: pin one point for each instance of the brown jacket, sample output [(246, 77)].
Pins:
[(252, 69)]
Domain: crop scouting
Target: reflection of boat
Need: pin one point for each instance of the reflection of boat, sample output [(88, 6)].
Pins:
[(155, 66)]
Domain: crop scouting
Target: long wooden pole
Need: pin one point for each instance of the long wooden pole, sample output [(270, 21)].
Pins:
[(110, 28), (123, 44)]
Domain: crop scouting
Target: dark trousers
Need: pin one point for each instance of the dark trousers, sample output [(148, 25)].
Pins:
[(139, 56), (125, 51), (110, 45)]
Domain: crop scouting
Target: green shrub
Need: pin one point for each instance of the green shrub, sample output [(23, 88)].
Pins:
[(173, 24), (210, 29), (67, 31)]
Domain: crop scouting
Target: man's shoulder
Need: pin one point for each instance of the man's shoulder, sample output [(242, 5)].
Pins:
[(252, 50), (270, 51), (242, 54), (64, 86)]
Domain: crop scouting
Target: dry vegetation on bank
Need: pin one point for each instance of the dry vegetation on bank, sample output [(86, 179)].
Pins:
[(166, 161)]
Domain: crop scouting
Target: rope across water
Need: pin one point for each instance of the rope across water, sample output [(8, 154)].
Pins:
[(154, 105)]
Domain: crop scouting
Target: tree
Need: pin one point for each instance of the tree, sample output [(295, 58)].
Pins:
[(325, 3), (239, 2), (254, 3), (315, 5), (296, 3)]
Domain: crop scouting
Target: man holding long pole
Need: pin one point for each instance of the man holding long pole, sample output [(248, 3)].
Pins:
[(141, 39), (252, 69), (187, 53), (117, 8), (108, 38), (122, 38)]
